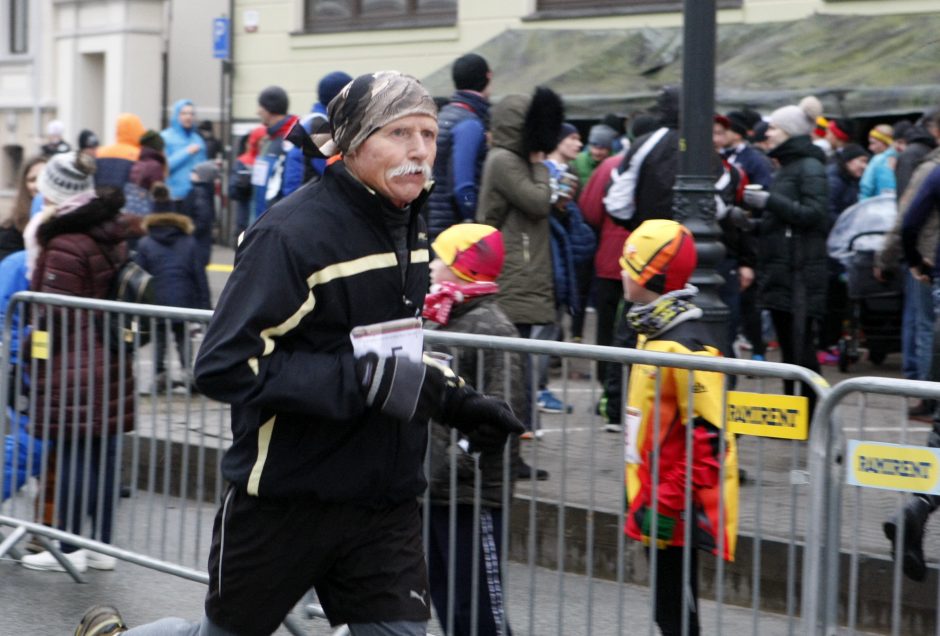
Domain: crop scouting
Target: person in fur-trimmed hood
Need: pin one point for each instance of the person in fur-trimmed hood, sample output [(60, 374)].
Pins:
[(171, 254)]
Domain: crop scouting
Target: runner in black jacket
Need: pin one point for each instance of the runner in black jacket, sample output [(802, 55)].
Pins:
[(326, 462)]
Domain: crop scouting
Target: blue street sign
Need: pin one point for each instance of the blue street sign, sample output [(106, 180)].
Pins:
[(221, 35)]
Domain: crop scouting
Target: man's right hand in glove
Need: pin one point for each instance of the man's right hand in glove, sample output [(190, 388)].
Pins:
[(401, 388), (409, 390)]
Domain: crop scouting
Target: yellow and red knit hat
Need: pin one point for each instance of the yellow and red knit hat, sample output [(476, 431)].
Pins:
[(660, 255), (474, 252)]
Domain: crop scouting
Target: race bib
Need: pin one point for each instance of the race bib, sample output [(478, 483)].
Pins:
[(631, 433)]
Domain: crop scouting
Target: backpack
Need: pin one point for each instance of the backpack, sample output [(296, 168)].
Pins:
[(131, 283)]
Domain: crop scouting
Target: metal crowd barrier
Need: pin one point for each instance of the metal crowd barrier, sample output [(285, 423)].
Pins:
[(562, 527), (566, 566), (862, 472)]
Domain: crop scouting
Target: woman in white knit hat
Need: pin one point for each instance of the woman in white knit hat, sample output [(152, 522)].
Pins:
[(792, 270)]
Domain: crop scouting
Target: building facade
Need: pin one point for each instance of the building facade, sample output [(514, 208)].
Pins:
[(295, 42), (86, 61)]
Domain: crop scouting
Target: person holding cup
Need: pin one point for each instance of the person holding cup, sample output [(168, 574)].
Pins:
[(793, 224)]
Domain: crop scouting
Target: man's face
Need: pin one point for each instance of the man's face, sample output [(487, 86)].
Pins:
[(719, 137), (266, 117), (396, 160), (187, 115), (599, 153), (834, 141), (856, 166), (570, 146)]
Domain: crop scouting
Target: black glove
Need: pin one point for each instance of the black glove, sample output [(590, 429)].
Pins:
[(402, 389), (486, 422)]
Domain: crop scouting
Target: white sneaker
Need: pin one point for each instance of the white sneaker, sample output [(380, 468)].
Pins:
[(44, 561), (99, 561)]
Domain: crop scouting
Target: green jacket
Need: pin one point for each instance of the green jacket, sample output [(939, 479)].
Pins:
[(792, 271), (515, 197), (584, 166)]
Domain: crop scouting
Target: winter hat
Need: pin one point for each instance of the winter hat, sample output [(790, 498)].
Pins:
[(841, 128), (722, 121), (55, 128), (852, 151), (642, 124), (751, 117), (207, 171), (616, 122), (566, 131), (760, 132), (659, 255), (822, 124), (737, 122), (87, 139), (330, 86), (153, 140), (474, 252), (65, 175), (274, 100), (667, 106), (602, 136), (797, 120), (470, 73), (900, 128), (369, 102)]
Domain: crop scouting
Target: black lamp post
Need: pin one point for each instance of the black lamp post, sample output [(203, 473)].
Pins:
[(694, 199)]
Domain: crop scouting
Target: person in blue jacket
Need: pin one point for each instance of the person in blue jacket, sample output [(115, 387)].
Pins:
[(185, 148), (298, 169)]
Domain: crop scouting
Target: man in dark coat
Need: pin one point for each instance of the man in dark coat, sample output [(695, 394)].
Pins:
[(919, 140)]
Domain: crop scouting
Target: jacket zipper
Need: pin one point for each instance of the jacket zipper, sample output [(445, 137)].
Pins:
[(525, 248)]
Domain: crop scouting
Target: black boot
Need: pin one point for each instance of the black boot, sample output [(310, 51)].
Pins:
[(915, 513)]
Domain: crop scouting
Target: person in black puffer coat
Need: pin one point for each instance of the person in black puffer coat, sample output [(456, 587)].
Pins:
[(794, 223)]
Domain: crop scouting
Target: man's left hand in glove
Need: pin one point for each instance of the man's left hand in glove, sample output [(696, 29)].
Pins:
[(486, 421)]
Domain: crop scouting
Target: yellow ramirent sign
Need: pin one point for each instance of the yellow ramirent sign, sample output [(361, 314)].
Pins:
[(40, 345), (762, 415), (894, 467)]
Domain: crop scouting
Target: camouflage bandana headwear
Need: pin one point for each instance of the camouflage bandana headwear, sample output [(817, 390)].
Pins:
[(371, 101), (363, 106)]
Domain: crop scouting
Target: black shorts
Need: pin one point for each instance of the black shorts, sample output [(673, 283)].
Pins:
[(366, 563)]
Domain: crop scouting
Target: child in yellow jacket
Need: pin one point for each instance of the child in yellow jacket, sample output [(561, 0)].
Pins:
[(658, 259)]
